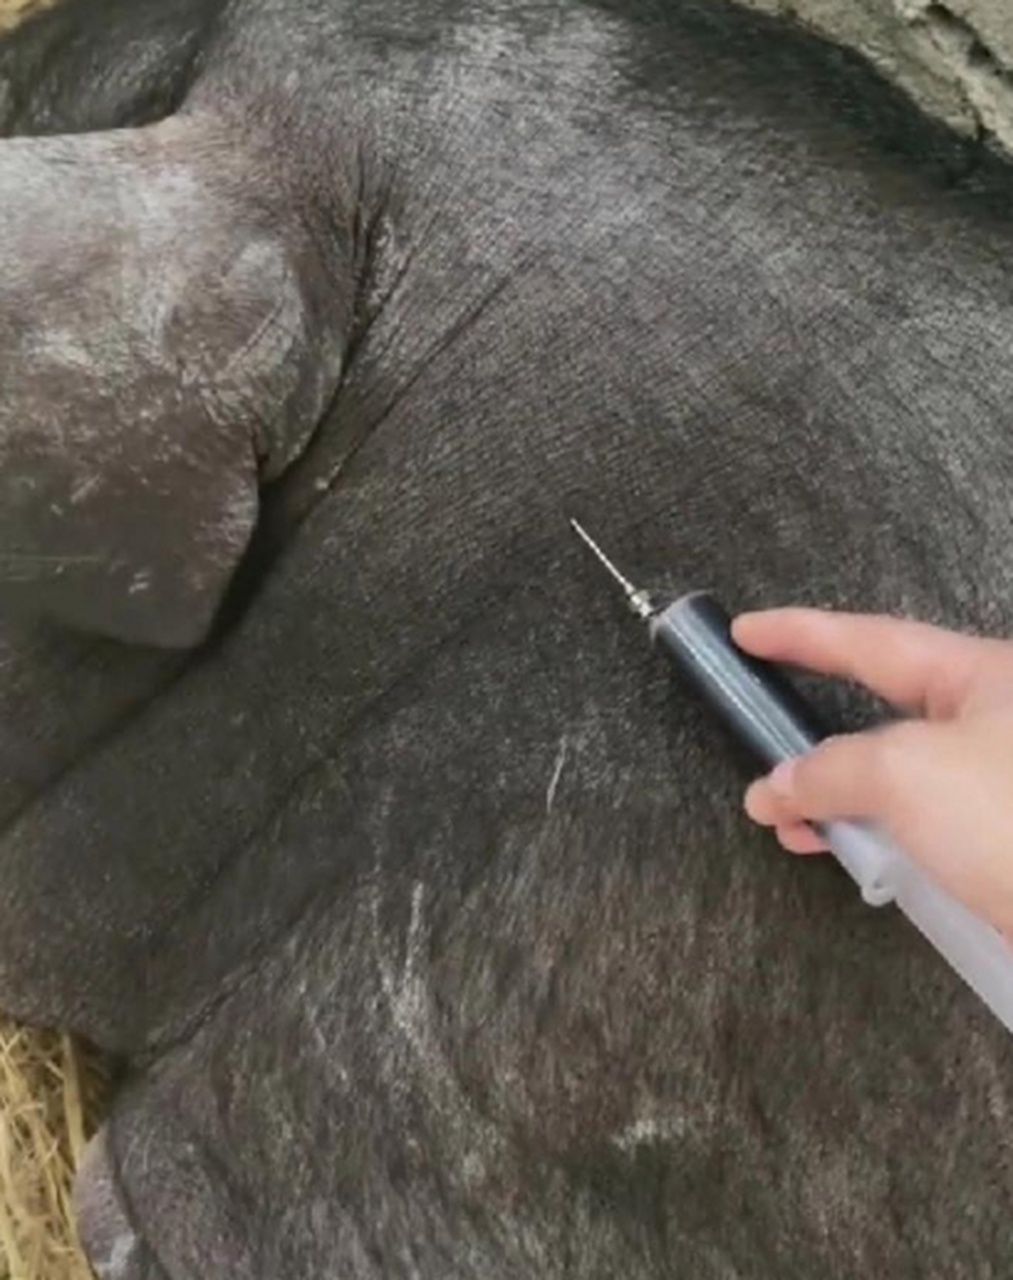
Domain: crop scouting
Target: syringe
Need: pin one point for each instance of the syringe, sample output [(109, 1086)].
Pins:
[(770, 718)]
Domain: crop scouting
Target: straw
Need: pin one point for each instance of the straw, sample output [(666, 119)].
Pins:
[(12, 11), (51, 1093)]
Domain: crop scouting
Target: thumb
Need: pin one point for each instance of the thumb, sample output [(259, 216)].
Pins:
[(868, 775)]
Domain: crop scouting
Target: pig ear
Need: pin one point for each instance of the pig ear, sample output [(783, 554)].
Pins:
[(164, 348)]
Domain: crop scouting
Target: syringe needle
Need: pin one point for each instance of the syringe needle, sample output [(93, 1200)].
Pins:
[(639, 601)]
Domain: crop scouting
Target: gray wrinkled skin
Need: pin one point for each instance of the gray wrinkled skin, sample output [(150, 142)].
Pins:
[(337, 796)]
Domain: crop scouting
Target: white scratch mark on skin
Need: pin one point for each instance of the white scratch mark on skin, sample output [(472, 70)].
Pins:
[(649, 1129), (550, 795), (84, 489), (22, 567), (62, 347), (407, 996), (121, 1256), (414, 944), (413, 1013), (137, 1153)]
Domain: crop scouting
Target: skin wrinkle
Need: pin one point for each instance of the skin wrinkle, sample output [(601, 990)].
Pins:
[(587, 257), (160, 1040), (111, 729)]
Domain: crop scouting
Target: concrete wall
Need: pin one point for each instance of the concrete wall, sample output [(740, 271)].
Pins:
[(956, 59)]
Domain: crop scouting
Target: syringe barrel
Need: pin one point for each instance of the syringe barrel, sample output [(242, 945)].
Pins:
[(763, 712), (769, 718)]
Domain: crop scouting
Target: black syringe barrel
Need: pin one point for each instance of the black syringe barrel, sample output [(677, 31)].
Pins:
[(768, 717)]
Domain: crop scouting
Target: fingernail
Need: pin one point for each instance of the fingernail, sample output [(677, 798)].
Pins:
[(761, 805), (782, 780), (740, 624)]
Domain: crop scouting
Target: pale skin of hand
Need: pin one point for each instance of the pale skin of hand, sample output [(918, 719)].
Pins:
[(939, 781)]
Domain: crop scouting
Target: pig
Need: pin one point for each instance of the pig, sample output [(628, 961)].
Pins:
[(341, 801)]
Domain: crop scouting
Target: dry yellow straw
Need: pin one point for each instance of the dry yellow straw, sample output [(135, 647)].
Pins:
[(50, 1095), (12, 11)]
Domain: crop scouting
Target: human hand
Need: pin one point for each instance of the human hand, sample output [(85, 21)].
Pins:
[(939, 782)]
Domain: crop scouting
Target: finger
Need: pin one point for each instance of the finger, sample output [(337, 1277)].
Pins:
[(765, 808), (862, 775), (799, 837), (921, 668), (764, 804)]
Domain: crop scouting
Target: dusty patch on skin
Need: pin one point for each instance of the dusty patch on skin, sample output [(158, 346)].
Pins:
[(112, 1243), (190, 330)]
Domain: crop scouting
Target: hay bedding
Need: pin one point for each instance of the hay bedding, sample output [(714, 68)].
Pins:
[(50, 1092), (12, 11)]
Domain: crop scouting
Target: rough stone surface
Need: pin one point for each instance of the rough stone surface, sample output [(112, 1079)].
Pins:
[(955, 59)]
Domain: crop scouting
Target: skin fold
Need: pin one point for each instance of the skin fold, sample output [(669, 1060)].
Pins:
[(337, 794)]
